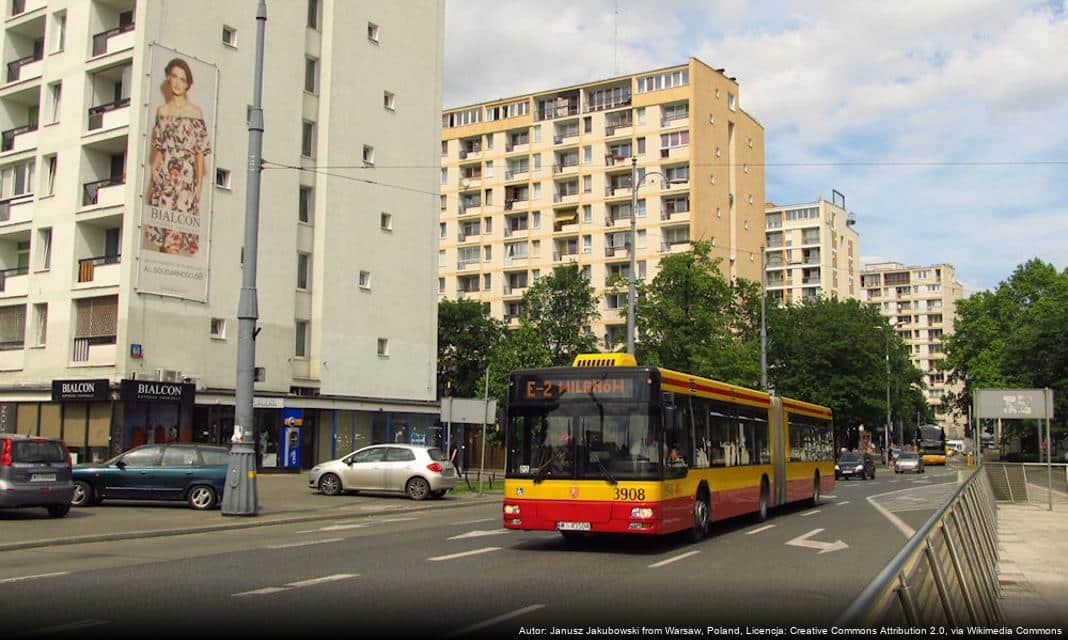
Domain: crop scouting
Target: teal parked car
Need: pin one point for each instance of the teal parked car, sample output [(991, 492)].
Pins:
[(195, 473)]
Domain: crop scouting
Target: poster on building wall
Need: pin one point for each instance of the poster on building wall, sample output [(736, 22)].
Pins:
[(176, 211)]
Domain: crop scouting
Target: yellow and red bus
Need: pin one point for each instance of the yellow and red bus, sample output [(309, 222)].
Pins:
[(931, 444), (608, 446)]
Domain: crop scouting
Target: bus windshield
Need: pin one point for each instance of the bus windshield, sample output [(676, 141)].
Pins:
[(583, 439)]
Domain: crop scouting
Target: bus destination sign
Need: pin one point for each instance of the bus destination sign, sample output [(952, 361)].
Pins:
[(537, 388)]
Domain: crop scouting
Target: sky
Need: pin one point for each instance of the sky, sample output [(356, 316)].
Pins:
[(945, 123)]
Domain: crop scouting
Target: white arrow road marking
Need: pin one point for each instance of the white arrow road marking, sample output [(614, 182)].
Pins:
[(70, 626), (764, 528), (463, 554), (40, 575), (479, 534), (303, 544), (824, 547), (492, 621), (810, 513), (670, 560)]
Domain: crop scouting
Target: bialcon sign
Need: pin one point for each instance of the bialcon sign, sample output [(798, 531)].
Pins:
[(152, 391), (80, 390)]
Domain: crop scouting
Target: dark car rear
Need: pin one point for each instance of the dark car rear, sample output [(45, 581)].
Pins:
[(855, 465), (35, 472)]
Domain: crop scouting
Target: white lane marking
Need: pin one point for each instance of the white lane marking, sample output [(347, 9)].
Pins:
[(40, 575), (894, 520), (453, 556), (314, 581), (842, 502), (70, 626), (811, 513), (303, 544), (336, 527), (479, 534), (396, 519), (830, 496), (670, 560), (472, 521), (764, 528), (496, 620), (824, 547), (260, 592)]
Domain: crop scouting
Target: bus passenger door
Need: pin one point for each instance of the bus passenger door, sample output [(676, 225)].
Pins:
[(778, 451)]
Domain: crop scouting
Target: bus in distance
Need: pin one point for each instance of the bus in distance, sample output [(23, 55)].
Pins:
[(608, 446), (931, 444)]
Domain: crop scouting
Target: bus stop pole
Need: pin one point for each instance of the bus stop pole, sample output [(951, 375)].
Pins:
[(485, 419)]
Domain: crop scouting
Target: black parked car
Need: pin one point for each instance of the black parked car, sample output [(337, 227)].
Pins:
[(854, 464), (193, 473)]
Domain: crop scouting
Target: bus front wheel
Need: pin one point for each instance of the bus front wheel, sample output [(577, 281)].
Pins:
[(700, 518)]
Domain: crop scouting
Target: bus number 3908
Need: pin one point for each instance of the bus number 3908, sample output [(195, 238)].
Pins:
[(630, 494)]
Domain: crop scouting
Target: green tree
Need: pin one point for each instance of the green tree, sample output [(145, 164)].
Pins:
[(1014, 336), (559, 307), (466, 336), (833, 352), (692, 319)]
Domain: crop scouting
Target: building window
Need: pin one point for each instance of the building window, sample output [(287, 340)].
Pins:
[(313, 14), (300, 348), (222, 178), (441, 285), (44, 244), (387, 221), (372, 32), (307, 140), (311, 75), (51, 164), (365, 280), (229, 36), (304, 210), (12, 328), (17, 179), (444, 202), (40, 325), (59, 31), (383, 347), (389, 101), (369, 157), (303, 270), (55, 96), (218, 328), (95, 324)]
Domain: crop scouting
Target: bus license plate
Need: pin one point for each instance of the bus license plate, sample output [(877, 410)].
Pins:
[(43, 477), (573, 526)]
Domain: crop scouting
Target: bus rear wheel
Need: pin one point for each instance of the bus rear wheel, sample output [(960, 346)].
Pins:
[(762, 510), (700, 518)]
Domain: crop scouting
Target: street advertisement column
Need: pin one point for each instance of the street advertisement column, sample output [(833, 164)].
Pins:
[(176, 211)]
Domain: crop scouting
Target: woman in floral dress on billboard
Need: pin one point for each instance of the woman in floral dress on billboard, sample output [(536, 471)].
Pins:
[(176, 166)]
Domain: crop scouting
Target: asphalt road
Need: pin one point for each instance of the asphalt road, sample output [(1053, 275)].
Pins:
[(457, 573)]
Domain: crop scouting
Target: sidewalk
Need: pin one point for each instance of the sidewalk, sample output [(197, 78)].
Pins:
[(1033, 568), (283, 498)]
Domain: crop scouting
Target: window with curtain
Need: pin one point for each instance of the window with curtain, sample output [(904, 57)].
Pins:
[(12, 327)]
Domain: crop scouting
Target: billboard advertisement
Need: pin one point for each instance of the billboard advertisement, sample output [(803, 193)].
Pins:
[(176, 211)]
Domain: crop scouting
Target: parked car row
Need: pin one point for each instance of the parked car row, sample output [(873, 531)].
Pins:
[(37, 472)]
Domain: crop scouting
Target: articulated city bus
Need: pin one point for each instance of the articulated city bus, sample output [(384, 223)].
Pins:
[(608, 446), (931, 444)]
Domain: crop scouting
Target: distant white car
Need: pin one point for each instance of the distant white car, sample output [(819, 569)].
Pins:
[(417, 471), (908, 462)]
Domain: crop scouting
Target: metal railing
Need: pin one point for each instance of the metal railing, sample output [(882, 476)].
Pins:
[(946, 576), (100, 40), (14, 271), (1029, 482), (91, 190), (7, 139), (87, 266), (14, 67), (96, 114)]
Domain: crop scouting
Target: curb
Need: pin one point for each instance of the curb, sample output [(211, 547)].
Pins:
[(242, 522)]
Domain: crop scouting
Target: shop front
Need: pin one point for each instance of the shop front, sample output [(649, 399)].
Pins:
[(79, 414), (155, 412)]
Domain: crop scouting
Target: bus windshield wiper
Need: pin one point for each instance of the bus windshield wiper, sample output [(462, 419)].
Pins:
[(605, 472), (542, 471)]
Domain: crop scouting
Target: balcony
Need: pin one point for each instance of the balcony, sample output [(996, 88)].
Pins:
[(25, 68), (521, 145), (566, 168), (514, 203), (14, 282), (101, 271), (99, 350), (16, 209), (616, 251), (559, 256), (515, 232), (19, 138), (674, 247), (463, 264), (117, 39), (110, 116), (517, 174), (109, 192), (675, 121), (471, 152), (469, 209), (565, 198), (622, 128), (675, 153), (19, 7), (469, 182)]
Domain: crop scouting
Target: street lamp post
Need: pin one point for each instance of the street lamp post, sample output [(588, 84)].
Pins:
[(763, 323), (886, 429)]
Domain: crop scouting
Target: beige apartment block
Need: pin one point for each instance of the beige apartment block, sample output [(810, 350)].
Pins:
[(921, 303), (537, 181), (812, 250)]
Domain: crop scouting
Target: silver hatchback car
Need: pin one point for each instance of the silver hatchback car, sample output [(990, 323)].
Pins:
[(908, 462), (417, 471), (35, 472)]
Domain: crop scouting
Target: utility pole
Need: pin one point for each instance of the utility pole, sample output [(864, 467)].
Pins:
[(763, 323), (239, 497)]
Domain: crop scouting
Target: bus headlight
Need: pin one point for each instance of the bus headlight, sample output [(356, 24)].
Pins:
[(641, 512), (511, 509)]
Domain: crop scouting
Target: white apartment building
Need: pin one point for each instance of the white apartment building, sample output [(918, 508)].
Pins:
[(921, 302), (811, 250), (122, 209)]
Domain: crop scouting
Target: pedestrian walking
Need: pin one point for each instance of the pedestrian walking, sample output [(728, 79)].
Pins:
[(454, 458)]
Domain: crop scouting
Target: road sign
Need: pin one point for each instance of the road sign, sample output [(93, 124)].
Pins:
[(1018, 404), (468, 410)]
